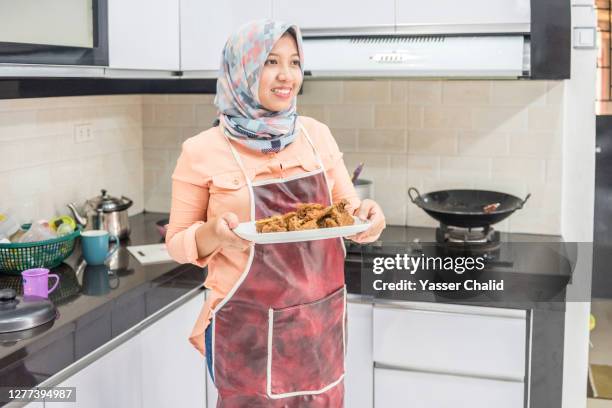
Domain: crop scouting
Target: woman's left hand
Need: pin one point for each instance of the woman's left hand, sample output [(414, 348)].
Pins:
[(370, 211)]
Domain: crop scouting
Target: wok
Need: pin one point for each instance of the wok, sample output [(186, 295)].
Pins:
[(466, 208)]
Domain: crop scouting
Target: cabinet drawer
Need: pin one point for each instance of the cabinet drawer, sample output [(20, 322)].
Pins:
[(455, 341), (400, 389)]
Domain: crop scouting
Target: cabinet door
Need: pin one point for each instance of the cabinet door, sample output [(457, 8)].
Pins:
[(205, 27), (172, 370), (485, 342), (401, 389), (343, 14), (358, 379), (111, 381), (143, 34), (467, 13)]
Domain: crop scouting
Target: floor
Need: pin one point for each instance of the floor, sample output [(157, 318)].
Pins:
[(601, 339)]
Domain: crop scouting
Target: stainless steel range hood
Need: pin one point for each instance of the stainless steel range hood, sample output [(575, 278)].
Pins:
[(437, 38), (452, 56)]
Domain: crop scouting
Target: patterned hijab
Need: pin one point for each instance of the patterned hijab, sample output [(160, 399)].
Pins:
[(237, 101)]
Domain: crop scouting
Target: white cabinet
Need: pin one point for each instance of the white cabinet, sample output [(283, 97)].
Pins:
[(471, 13), (468, 340), (111, 381), (173, 372), (400, 389), (156, 368), (143, 34), (358, 380), (205, 27), (338, 14), (435, 355)]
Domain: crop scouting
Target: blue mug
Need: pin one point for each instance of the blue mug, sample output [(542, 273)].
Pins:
[(95, 244)]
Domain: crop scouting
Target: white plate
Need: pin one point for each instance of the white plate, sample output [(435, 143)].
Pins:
[(247, 230)]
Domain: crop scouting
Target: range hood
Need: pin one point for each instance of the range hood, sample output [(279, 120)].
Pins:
[(435, 39), (435, 56)]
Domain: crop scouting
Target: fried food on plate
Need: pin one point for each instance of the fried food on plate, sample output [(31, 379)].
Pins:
[(307, 216), (272, 224)]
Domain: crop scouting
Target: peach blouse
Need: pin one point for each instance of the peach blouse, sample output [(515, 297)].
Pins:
[(207, 182)]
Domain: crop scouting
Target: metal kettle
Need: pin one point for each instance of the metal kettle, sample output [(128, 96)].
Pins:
[(105, 212)]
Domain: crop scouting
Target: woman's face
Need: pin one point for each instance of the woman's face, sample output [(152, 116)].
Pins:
[(281, 75)]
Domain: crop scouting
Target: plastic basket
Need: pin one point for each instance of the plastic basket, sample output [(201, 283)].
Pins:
[(17, 257)]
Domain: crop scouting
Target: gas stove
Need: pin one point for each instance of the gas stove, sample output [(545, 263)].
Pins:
[(481, 240)]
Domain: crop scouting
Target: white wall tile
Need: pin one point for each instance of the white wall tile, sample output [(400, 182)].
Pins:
[(366, 91), (483, 143), (428, 142), (382, 140), (447, 117), (351, 116), (545, 118), (466, 93), (320, 92), (390, 116), (45, 169), (518, 93), (496, 118), (425, 92)]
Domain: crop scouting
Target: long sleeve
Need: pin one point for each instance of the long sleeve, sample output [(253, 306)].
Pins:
[(188, 211)]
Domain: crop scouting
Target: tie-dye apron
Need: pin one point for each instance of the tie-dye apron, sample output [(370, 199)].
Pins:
[(279, 337)]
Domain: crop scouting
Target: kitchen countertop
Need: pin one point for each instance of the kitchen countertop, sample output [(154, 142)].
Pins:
[(87, 322), (92, 323), (534, 268)]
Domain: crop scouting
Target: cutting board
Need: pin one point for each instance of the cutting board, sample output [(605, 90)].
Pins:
[(150, 254)]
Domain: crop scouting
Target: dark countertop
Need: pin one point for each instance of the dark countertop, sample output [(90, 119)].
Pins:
[(535, 270), (86, 322)]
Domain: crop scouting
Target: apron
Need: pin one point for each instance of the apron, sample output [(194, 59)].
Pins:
[(279, 336)]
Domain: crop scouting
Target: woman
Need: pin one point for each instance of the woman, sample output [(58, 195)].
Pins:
[(273, 325)]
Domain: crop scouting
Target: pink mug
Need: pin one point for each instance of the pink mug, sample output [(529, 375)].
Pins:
[(36, 282)]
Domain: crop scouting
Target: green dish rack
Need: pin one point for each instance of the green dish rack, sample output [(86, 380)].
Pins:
[(17, 257)]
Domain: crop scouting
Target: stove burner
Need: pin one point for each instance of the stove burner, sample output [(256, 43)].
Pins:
[(476, 239)]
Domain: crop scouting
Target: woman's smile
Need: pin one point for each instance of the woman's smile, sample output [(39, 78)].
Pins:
[(282, 92)]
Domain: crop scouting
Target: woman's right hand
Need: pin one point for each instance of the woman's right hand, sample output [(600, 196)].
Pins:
[(222, 229), (217, 233)]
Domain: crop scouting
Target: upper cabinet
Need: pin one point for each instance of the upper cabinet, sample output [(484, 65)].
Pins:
[(144, 35), (471, 13), (206, 26), (344, 14)]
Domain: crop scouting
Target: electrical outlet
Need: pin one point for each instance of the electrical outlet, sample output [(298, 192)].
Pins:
[(83, 133)]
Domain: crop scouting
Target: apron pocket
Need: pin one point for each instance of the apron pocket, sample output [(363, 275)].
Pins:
[(306, 346)]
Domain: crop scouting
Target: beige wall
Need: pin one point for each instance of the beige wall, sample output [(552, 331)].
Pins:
[(42, 169), (499, 135)]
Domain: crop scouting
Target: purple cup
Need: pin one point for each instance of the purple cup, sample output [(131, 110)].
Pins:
[(36, 282)]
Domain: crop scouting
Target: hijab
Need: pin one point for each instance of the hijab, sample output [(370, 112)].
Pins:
[(240, 112)]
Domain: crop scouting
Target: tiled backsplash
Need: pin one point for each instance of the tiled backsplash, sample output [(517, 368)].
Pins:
[(41, 166), (498, 135)]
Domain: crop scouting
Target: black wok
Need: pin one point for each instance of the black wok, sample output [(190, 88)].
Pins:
[(466, 208)]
